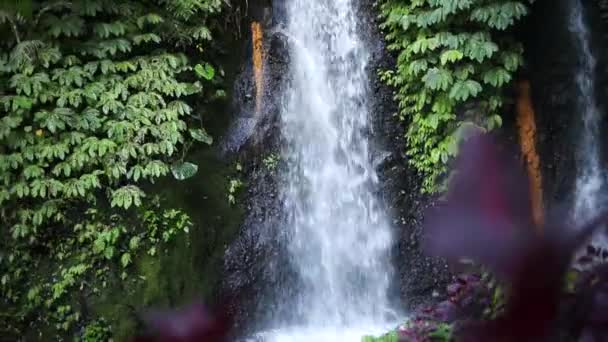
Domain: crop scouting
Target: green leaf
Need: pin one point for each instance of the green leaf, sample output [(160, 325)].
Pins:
[(463, 90), (134, 243), (418, 66), (99, 245), (200, 33), (512, 61), (146, 38), (466, 130), (451, 56), (184, 171), (201, 135), (152, 19), (21, 102), (127, 196), (497, 77), (495, 121), (480, 48), (205, 71), (433, 121), (443, 333), (438, 79), (125, 260), (108, 253)]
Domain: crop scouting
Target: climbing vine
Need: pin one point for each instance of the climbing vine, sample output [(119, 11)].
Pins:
[(455, 59), (95, 102)]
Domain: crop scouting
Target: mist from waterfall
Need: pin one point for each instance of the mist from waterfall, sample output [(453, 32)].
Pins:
[(589, 176), (339, 231)]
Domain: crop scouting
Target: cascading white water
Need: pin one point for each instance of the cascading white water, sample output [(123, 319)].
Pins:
[(589, 176), (339, 231)]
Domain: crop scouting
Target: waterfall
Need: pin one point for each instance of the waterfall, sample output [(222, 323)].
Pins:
[(589, 176), (339, 232)]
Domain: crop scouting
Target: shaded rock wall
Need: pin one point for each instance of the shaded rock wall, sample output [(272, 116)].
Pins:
[(418, 277), (551, 63), (253, 261)]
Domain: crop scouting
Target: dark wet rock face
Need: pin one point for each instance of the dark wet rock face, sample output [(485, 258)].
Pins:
[(551, 62), (254, 262), (551, 74), (417, 276)]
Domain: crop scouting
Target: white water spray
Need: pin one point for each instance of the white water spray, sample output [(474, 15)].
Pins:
[(589, 176), (339, 233)]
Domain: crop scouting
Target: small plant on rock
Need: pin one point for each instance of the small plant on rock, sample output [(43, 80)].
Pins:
[(271, 162)]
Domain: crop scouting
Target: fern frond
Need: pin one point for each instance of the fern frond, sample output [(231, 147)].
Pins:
[(25, 53), (50, 7)]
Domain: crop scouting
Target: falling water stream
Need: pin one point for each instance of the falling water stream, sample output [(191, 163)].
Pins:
[(339, 231), (589, 176)]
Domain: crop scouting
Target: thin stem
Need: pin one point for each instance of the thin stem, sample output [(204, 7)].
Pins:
[(14, 28)]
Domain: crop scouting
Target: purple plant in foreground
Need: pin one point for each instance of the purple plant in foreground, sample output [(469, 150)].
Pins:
[(191, 324), (486, 217)]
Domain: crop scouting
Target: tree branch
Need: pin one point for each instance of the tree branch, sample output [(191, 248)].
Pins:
[(4, 16)]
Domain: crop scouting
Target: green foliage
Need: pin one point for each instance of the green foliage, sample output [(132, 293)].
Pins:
[(96, 101), (572, 278), (199, 134), (102, 248), (234, 184), (205, 71), (392, 336), (443, 333), (454, 60), (96, 331), (271, 162), (182, 171), (496, 291), (431, 331)]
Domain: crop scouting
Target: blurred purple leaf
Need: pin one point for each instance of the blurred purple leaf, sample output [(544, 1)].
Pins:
[(486, 216), (190, 324)]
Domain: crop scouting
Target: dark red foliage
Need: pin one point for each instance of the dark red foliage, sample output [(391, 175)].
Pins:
[(192, 324), (593, 294), (486, 216), (468, 296)]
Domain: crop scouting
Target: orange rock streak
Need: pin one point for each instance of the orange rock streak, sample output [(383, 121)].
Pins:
[(527, 138), (258, 63)]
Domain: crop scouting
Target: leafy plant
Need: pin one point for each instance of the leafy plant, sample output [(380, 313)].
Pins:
[(193, 323), (234, 185), (454, 62), (443, 333), (96, 331), (389, 337), (271, 162), (182, 171), (103, 247), (96, 101), (205, 71)]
